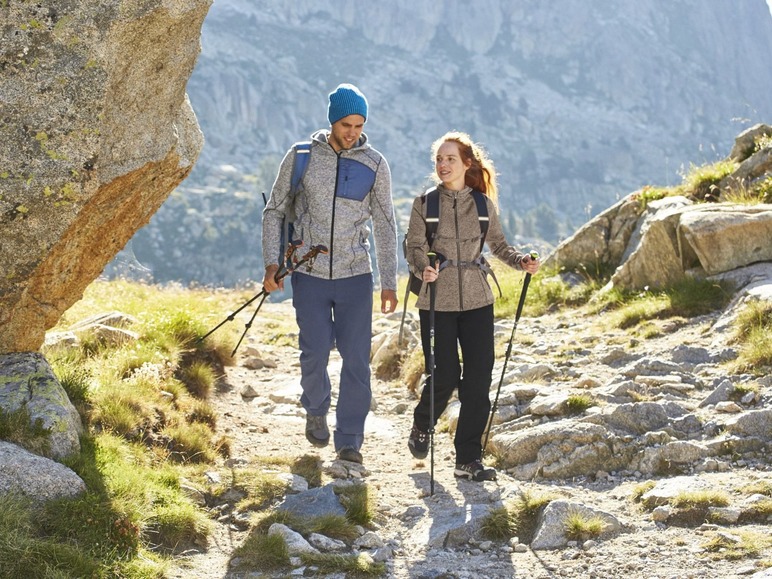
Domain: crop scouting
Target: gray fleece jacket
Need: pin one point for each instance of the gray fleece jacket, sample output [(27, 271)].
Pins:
[(340, 194), (458, 240)]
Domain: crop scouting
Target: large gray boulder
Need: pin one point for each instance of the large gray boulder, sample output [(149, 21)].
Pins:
[(35, 477), (26, 381), (703, 239), (603, 240), (96, 131)]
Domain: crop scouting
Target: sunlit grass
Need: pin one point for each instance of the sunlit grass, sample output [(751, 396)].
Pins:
[(143, 429), (688, 298), (516, 517), (702, 498), (753, 333), (578, 403), (358, 502), (641, 489), (580, 527), (750, 544), (701, 181), (17, 426)]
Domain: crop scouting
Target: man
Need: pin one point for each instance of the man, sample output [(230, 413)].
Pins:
[(346, 184)]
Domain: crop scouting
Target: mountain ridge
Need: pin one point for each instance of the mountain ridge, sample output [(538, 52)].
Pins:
[(577, 106)]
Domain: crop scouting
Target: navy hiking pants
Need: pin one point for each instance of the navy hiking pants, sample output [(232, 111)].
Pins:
[(335, 313)]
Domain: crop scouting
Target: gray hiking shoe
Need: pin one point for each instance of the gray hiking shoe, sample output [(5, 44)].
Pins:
[(350, 454), (475, 471), (317, 431)]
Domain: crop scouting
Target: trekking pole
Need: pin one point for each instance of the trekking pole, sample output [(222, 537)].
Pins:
[(534, 255), (432, 294), (290, 252), (307, 258)]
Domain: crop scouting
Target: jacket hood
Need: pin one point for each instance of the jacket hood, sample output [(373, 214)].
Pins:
[(322, 136)]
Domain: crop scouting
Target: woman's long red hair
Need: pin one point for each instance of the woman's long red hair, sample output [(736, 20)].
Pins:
[(481, 174)]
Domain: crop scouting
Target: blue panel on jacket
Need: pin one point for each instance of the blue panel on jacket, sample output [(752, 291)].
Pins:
[(355, 180)]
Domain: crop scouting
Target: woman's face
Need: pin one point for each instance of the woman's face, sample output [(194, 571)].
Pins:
[(449, 166)]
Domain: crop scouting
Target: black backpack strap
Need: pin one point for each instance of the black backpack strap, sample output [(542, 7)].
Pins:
[(431, 198), (482, 215)]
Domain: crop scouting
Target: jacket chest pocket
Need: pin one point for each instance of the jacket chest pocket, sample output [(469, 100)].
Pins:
[(355, 180)]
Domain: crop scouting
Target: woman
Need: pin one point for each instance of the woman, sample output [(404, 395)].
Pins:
[(464, 300)]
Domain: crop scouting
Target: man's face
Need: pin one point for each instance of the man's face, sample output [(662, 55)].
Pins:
[(345, 132)]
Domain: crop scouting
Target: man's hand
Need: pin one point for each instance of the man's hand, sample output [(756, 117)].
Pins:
[(388, 301), (269, 280)]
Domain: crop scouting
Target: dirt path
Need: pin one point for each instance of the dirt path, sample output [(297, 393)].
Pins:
[(410, 521)]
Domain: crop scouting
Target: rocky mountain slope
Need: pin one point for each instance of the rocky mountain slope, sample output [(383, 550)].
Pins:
[(577, 104)]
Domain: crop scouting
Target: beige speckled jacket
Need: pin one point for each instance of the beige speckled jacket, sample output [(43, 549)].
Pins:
[(458, 239)]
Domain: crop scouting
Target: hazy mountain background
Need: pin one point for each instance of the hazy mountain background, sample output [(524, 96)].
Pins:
[(578, 103)]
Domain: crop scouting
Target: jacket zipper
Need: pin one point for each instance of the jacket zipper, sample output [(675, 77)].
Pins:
[(334, 197), (458, 253)]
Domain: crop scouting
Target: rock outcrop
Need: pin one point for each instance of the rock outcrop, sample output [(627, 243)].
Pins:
[(659, 243), (96, 131), (37, 478), (27, 383)]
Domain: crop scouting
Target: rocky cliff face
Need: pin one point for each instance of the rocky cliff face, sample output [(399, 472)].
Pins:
[(578, 104), (95, 131)]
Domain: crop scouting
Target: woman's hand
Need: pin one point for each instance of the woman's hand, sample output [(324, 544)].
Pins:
[(530, 264), (430, 274)]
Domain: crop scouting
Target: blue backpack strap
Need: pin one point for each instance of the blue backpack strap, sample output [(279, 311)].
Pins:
[(299, 166), (302, 154)]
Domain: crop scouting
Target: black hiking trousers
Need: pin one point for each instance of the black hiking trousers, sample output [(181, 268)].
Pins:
[(472, 330)]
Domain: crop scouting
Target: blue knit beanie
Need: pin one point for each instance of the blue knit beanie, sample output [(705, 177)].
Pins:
[(344, 101)]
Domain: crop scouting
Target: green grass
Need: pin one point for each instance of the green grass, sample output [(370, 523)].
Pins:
[(361, 564), (199, 378), (517, 517), (23, 553), (578, 403), (18, 427), (704, 498), (641, 489), (753, 333), (688, 298), (648, 193), (145, 429), (750, 545), (546, 290), (759, 487), (358, 502), (581, 527), (260, 489), (701, 181), (498, 524), (264, 553), (261, 551)]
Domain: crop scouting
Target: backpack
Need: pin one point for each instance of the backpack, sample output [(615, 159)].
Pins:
[(431, 198), (299, 166)]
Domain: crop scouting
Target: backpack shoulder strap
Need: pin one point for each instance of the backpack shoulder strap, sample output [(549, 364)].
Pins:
[(299, 165), (431, 198), (302, 154), (482, 215)]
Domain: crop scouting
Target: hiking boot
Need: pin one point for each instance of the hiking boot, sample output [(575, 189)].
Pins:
[(317, 431), (350, 454), (418, 442), (475, 471)]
